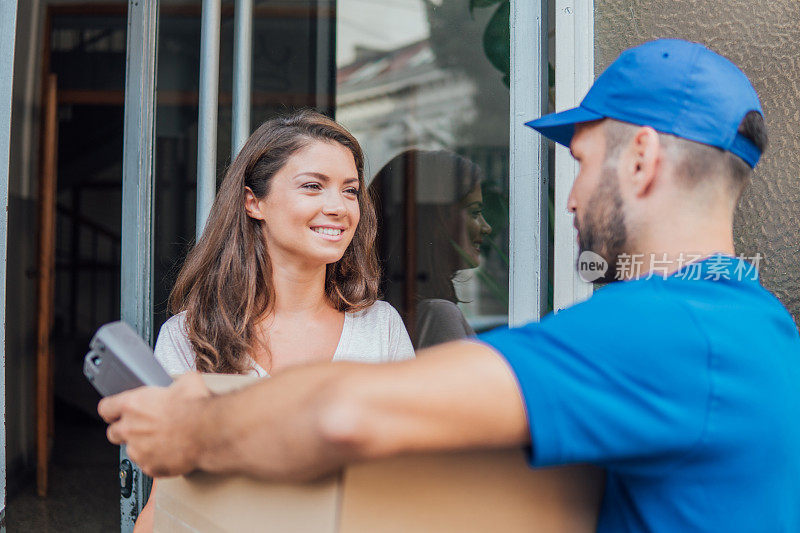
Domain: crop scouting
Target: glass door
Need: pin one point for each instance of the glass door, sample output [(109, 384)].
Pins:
[(424, 87)]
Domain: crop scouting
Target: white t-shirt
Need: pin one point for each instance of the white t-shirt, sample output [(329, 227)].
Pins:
[(373, 335)]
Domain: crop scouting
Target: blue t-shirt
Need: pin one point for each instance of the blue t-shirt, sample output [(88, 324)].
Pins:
[(686, 389)]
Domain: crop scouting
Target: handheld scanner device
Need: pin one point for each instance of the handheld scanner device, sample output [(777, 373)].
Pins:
[(119, 360)]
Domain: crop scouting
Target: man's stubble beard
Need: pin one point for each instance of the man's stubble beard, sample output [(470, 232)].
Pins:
[(603, 230)]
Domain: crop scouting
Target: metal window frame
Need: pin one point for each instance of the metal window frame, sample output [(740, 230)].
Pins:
[(8, 30), (208, 112), (528, 269), (136, 272), (574, 68), (242, 74)]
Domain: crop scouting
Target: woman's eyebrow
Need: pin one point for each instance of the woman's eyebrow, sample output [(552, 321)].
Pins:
[(317, 175), (323, 177)]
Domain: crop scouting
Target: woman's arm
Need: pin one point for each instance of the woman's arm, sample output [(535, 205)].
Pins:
[(311, 420), (400, 347), (173, 350)]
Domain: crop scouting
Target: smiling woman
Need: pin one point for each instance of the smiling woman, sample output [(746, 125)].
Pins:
[(288, 247)]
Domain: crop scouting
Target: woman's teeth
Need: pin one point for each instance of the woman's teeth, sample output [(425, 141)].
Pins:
[(328, 231)]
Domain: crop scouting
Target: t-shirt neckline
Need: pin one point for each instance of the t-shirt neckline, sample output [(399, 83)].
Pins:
[(344, 340)]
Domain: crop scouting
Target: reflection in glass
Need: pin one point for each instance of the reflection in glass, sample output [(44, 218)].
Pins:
[(431, 227), (417, 83)]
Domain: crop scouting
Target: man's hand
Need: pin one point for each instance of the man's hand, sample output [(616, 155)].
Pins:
[(310, 420), (160, 426)]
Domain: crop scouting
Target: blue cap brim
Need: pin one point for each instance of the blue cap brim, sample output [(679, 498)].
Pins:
[(560, 127)]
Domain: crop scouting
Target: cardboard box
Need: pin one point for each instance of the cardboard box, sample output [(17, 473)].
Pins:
[(447, 492)]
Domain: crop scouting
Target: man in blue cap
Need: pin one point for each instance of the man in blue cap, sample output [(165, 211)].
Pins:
[(682, 380)]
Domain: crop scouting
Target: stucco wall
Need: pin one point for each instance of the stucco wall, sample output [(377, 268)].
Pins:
[(763, 38)]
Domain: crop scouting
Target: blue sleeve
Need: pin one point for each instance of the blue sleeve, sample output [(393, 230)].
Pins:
[(619, 380)]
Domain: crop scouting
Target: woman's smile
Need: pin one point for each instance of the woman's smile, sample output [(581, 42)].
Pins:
[(330, 233)]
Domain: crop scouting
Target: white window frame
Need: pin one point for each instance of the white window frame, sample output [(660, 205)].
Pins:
[(528, 269), (574, 68)]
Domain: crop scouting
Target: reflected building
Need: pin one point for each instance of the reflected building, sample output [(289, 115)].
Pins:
[(391, 100)]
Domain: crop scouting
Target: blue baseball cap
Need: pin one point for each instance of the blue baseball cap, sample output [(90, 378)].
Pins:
[(673, 86)]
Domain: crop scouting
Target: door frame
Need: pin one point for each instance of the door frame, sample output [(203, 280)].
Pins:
[(8, 29), (49, 99), (574, 68), (136, 275), (528, 200)]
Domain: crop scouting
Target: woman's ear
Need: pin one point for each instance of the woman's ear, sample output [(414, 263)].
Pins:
[(251, 205)]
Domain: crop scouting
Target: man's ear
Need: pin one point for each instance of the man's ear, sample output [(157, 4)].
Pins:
[(251, 205), (643, 160)]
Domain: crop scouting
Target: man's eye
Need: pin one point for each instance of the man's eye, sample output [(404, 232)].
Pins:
[(312, 186)]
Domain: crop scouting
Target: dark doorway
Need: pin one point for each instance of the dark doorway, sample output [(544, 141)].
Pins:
[(76, 486)]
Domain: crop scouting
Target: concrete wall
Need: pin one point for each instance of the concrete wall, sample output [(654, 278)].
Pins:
[(763, 39)]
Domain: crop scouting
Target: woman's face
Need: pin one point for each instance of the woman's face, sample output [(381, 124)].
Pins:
[(311, 211), (473, 226)]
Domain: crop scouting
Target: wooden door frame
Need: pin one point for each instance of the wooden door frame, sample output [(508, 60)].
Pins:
[(45, 285)]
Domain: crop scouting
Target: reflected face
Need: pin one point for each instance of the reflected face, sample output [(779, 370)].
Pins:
[(311, 211), (474, 226), (595, 198)]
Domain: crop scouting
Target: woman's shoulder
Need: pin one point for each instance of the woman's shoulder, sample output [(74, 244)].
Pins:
[(375, 334), (175, 324), (173, 348), (378, 311)]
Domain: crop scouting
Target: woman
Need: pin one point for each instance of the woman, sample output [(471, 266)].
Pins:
[(445, 236), (285, 272)]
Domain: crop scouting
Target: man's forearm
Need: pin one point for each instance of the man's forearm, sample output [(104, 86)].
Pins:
[(280, 428), (311, 420)]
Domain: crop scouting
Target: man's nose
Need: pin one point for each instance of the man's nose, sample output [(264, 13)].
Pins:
[(572, 203)]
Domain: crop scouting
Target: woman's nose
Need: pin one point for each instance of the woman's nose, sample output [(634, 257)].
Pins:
[(486, 229), (334, 205)]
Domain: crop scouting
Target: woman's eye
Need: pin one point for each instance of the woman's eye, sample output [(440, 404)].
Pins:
[(312, 186), (353, 191)]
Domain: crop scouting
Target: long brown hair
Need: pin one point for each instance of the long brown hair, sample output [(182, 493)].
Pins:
[(225, 285)]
